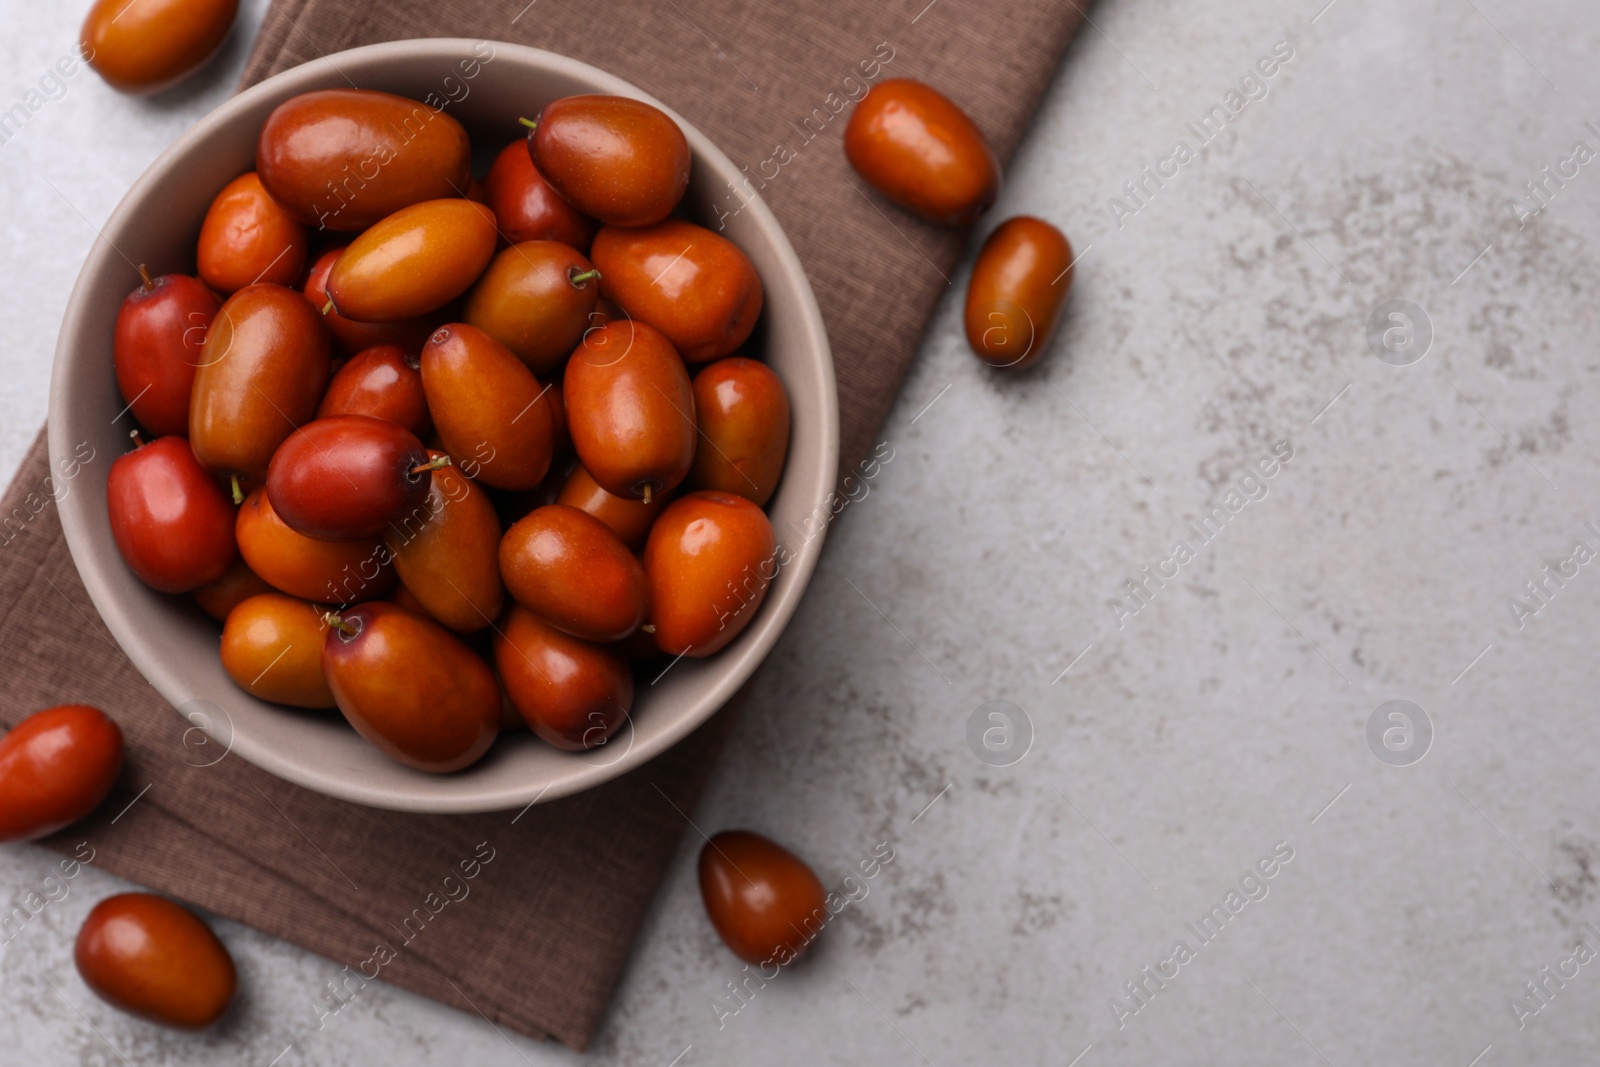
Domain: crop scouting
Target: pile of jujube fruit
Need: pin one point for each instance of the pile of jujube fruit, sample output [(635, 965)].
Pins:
[(453, 456)]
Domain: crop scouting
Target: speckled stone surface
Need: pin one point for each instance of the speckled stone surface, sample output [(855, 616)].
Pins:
[(1179, 736)]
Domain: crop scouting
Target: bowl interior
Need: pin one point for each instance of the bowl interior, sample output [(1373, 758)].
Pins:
[(487, 86)]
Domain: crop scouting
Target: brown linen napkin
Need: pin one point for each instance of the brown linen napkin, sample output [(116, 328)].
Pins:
[(527, 919)]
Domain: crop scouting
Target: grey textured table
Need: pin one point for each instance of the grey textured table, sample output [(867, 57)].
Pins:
[(1224, 716)]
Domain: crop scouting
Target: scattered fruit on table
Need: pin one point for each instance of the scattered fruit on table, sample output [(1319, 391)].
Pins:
[(1018, 287), (156, 959), (915, 146), (56, 766), (765, 903), (144, 46)]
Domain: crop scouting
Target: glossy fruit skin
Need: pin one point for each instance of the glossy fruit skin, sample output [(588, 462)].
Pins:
[(412, 688), (527, 207), (446, 552), (572, 693), (272, 649), (693, 285), (764, 901), (629, 519), (567, 567), (352, 336), (630, 409), (412, 262), (528, 301), (341, 159), (489, 410), (743, 412), (346, 477), (262, 372), (384, 381), (155, 959), (615, 159), (56, 766), (1018, 287), (172, 521), (248, 237), (711, 558), (220, 597), (156, 347), (144, 46), (915, 146), (328, 572)]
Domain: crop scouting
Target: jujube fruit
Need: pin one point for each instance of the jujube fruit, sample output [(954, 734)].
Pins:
[(620, 160), (535, 298), (711, 558), (489, 410), (155, 959), (412, 262), (574, 694), (567, 567), (156, 346), (765, 903), (144, 46), (411, 688), (384, 381), (262, 371), (341, 159), (630, 410), (915, 146), (1018, 286), (743, 411), (330, 572), (693, 285), (56, 766), (346, 477), (446, 552), (272, 649), (248, 237), (171, 520), (527, 207)]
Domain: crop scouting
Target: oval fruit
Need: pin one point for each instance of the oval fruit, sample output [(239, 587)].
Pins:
[(143, 46), (536, 299), (411, 688), (241, 583), (272, 649), (56, 766), (616, 159), (248, 237), (412, 262), (447, 553), (629, 519), (155, 959), (765, 903), (160, 330), (1018, 286), (527, 207), (711, 558), (341, 159), (383, 381), (354, 336), (262, 371), (572, 694), (630, 410), (567, 567), (743, 412), (489, 410), (170, 519), (331, 572), (693, 285), (915, 146), (346, 477)]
